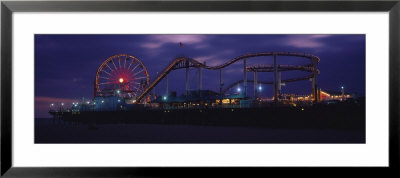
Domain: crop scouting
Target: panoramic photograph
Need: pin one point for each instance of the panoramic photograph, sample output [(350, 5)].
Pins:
[(199, 88)]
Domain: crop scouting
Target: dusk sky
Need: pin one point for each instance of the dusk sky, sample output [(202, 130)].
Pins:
[(66, 65)]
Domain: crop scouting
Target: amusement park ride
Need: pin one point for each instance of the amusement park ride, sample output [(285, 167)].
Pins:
[(122, 82)]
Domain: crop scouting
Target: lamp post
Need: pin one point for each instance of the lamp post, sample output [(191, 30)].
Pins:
[(342, 93)]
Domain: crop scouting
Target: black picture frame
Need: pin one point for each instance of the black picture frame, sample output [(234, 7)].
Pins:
[(8, 7)]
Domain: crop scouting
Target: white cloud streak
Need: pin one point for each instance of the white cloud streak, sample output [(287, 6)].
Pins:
[(305, 41), (157, 41)]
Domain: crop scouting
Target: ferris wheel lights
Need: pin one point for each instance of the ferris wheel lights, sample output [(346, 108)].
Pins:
[(117, 74)]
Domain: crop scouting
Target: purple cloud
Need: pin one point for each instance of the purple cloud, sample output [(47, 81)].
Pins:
[(305, 41), (151, 45), (216, 59), (156, 41), (202, 46)]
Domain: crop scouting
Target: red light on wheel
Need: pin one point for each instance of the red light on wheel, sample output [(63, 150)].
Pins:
[(121, 80)]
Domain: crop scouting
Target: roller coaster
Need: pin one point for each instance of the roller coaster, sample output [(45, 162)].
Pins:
[(184, 62), (131, 78)]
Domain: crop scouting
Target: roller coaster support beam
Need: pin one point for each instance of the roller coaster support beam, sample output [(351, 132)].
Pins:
[(166, 89), (187, 77), (314, 84), (275, 79), (245, 77), (255, 85), (220, 86), (314, 90), (200, 82), (279, 84), (154, 89)]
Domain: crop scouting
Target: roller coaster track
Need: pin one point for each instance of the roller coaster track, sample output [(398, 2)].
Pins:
[(270, 68), (183, 62)]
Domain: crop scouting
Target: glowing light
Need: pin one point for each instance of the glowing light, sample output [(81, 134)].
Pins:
[(62, 104), (164, 98), (88, 102), (121, 80), (238, 89), (102, 101), (119, 101), (259, 88), (51, 104), (327, 94), (342, 87), (225, 101)]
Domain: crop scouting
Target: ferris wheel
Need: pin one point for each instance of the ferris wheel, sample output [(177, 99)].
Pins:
[(123, 75)]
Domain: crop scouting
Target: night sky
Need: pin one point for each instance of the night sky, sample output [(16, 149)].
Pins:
[(66, 65)]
